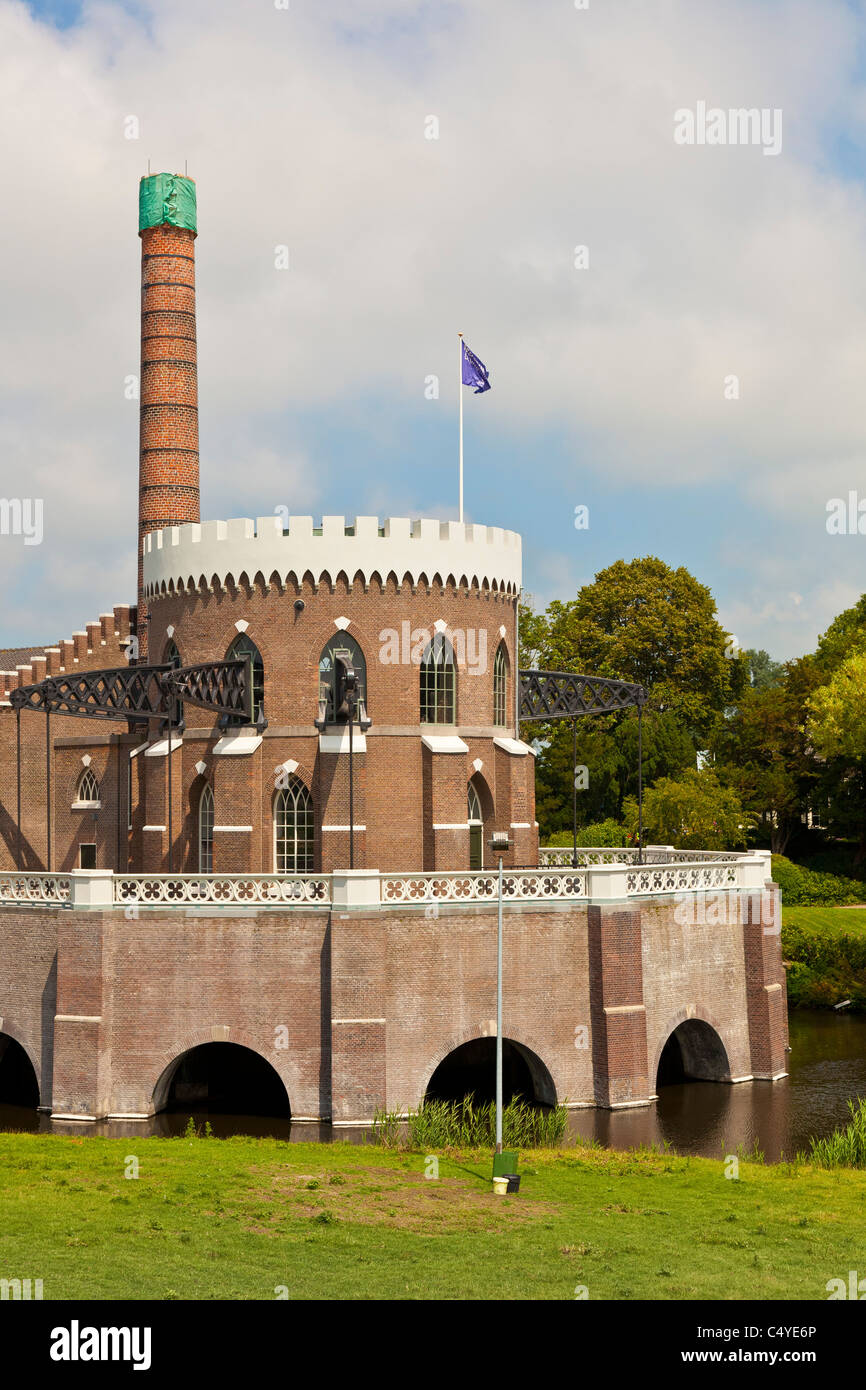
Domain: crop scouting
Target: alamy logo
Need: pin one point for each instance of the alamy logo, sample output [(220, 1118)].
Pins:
[(410, 646), (856, 1288), (846, 517), (738, 126), (20, 1289), (76, 1343), (22, 516)]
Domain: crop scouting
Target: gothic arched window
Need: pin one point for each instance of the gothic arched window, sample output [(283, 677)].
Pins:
[(476, 828), (293, 829), (205, 831), (345, 647), (88, 787), (438, 682), (500, 686), (244, 646)]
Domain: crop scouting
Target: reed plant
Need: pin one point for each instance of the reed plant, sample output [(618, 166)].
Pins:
[(844, 1148), (447, 1124)]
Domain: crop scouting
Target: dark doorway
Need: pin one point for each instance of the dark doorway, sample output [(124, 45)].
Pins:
[(18, 1084), (693, 1052), (224, 1079), (470, 1070)]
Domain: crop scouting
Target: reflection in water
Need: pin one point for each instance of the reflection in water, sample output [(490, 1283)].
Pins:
[(827, 1067), (170, 1124)]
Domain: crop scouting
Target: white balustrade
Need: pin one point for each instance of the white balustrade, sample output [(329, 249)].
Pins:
[(603, 874)]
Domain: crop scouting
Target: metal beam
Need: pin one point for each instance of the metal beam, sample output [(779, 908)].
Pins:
[(565, 695), (143, 692)]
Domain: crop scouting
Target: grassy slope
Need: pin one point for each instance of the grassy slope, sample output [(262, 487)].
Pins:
[(836, 921), (826, 951), (235, 1218)]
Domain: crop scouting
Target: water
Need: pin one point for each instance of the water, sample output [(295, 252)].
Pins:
[(827, 1067)]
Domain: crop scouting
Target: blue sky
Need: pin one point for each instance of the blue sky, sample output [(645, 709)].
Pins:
[(309, 128)]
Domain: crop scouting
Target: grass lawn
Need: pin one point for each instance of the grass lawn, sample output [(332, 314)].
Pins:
[(827, 921), (236, 1218)]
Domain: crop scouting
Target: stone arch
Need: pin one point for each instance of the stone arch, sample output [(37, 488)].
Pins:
[(171, 1059), (10, 1029), (713, 1057), (526, 1043)]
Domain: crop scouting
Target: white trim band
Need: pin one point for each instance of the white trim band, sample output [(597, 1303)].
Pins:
[(359, 1020)]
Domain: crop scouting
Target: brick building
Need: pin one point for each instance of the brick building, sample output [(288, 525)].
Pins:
[(313, 889)]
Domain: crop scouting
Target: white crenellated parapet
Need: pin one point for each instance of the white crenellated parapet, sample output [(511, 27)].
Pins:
[(188, 557)]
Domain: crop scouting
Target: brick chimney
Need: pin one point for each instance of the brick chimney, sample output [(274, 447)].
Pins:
[(168, 492)]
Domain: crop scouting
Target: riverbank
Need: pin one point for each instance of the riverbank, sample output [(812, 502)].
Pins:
[(825, 953), (241, 1218)]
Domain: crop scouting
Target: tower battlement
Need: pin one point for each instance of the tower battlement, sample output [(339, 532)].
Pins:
[(459, 553)]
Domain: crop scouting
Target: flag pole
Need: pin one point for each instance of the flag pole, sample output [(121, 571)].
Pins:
[(460, 392)]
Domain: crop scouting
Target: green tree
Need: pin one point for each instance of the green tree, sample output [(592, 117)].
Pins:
[(645, 622), (695, 812), (845, 635), (607, 747), (837, 728), (762, 750), (762, 669)]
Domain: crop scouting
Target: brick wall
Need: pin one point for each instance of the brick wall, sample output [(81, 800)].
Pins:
[(393, 781), (369, 1003)]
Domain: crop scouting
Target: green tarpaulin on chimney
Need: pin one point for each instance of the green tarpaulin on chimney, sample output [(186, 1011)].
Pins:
[(166, 198)]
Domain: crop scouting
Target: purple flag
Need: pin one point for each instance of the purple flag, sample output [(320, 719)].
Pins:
[(474, 372)]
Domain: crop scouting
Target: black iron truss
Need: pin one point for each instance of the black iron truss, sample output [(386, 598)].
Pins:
[(565, 695), (143, 692)]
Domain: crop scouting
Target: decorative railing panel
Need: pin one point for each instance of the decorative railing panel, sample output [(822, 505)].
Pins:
[(35, 888), (265, 890), (481, 886), (681, 878)]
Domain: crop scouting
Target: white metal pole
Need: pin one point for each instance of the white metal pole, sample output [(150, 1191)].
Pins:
[(460, 391), (499, 1020)]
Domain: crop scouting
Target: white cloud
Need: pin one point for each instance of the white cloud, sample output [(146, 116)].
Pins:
[(306, 127)]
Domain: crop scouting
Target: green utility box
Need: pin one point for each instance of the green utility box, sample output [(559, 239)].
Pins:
[(504, 1163)]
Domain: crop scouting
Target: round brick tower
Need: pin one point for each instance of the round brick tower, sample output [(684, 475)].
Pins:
[(168, 487), (426, 613)]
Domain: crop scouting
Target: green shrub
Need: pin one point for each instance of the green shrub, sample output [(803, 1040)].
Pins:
[(803, 887), (603, 834)]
